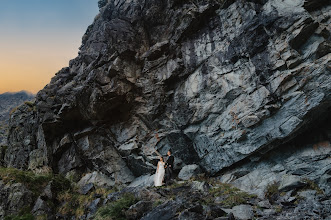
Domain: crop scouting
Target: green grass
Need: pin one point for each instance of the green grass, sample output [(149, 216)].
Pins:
[(116, 210), (157, 203), (73, 203), (22, 217), (24, 214), (34, 182), (232, 196)]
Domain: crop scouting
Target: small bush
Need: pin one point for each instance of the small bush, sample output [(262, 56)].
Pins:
[(157, 203), (272, 192), (312, 185), (30, 104), (116, 209)]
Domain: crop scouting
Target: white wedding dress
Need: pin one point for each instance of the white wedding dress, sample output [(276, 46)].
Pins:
[(159, 175)]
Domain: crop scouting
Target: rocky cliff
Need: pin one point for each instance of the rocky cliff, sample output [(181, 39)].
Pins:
[(9, 101), (233, 86)]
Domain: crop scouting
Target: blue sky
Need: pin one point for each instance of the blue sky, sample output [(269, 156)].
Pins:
[(38, 38), (47, 14)]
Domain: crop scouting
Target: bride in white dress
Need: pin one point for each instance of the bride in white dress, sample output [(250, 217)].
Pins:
[(159, 175)]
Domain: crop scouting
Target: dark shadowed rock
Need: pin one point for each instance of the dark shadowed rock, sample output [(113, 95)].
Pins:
[(84, 189), (165, 211), (137, 210)]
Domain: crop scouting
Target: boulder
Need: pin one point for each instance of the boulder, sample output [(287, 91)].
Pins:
[(189, 171), (186, 215), (97, 179), (165, 211), (137, 210), (41, 207), (13, 198), (200, 186), (143, 181), (290, 182), (85, 189), (243, 212)]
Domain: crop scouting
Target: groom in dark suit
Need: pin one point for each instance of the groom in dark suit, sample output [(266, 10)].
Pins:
[(169, 167)]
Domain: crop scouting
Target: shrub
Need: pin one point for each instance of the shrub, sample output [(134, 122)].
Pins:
[(272, 192), (30, 104), (157, 203)]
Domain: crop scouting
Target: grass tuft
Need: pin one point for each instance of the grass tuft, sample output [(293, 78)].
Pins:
[(272, 192), (310, 184), (116, 209)]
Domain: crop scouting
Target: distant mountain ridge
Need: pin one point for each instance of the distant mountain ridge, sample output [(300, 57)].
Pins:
[(8, 101)]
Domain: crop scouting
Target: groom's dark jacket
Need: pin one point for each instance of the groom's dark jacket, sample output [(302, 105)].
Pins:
[(170, 162)]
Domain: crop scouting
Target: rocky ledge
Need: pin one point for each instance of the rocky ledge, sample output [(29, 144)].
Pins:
[(25, 195)]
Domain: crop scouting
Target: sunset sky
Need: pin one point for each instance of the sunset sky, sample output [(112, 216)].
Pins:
[(38, 38)]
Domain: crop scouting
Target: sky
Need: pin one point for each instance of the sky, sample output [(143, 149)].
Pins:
[(38, 38)]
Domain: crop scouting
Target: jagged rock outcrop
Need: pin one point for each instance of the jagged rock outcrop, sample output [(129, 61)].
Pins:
[(8, 102), (216, 81), (13, 198)]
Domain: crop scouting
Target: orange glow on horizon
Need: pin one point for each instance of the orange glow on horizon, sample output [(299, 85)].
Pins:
[(30, 65)]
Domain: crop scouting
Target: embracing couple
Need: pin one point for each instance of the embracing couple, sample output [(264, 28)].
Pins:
[(164, 170)]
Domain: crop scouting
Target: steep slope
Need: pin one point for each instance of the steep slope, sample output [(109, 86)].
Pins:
[(216, 81), (8, 101)]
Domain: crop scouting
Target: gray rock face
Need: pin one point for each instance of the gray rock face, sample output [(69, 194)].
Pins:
[(217, 82), (189, 171), (143, 181), (163, 212), (137, 210), (8, 102), (305, 158), (96, 179), (243, 212), (13, 198)]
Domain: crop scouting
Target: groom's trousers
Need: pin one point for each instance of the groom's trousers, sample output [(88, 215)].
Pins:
[(169, 172)]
